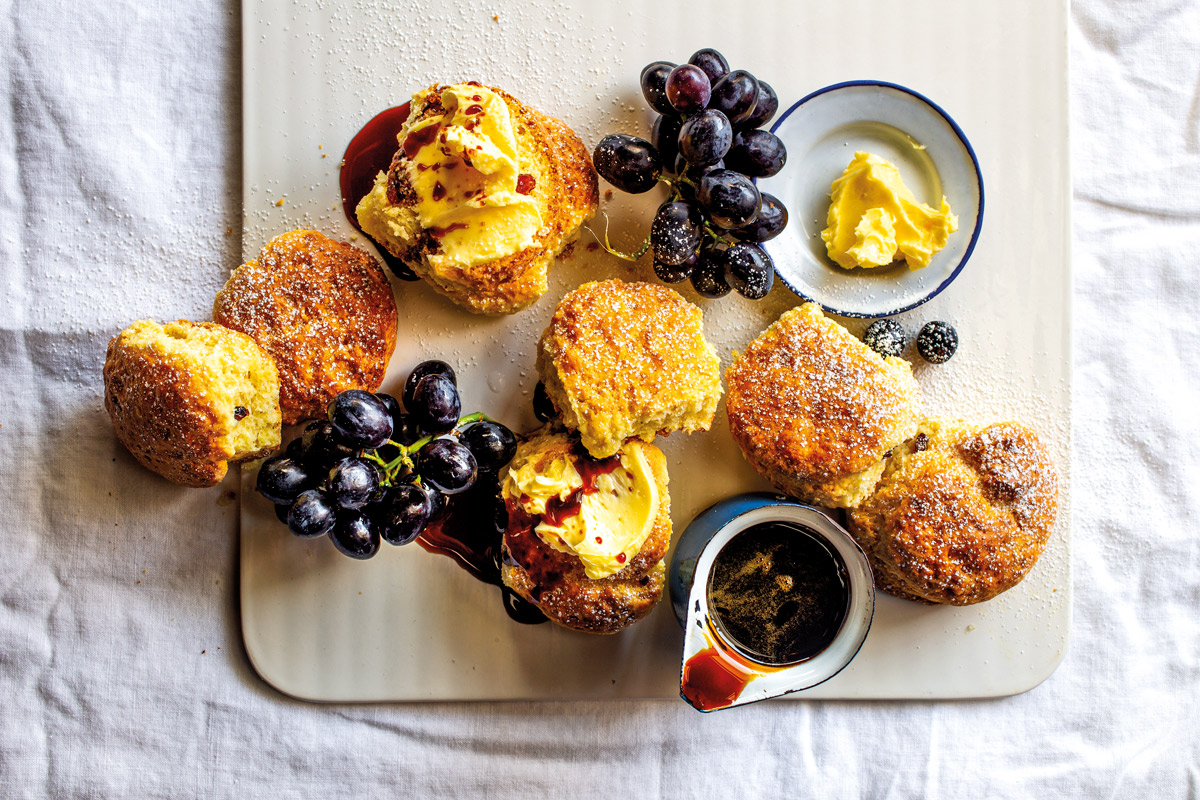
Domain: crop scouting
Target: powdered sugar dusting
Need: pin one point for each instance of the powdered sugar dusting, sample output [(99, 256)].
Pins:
[(347, 61), (322, 309)]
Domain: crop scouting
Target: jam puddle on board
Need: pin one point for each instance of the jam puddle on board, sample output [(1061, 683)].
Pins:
[(369, 153), (470, 531)]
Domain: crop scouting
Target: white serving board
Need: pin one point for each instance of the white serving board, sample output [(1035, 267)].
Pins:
[(410, 625)]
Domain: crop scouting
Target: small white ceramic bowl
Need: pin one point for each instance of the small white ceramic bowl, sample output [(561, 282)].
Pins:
[(822, 132)]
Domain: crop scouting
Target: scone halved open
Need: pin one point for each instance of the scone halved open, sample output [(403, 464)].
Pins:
[(482, 196), (187, 398), (586, 537)]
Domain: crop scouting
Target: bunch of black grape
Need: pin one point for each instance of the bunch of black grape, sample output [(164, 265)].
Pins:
[(372, 471), (707, 146)]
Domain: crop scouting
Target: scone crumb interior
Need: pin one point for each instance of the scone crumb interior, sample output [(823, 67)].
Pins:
[(242, 389)]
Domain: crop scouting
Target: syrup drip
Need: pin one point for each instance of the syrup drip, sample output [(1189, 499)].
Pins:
[(710, 681), (418, 139), (369, 153), (558, 510)]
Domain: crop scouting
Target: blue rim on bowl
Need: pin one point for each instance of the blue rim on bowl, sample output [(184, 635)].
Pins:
[(802, 247)]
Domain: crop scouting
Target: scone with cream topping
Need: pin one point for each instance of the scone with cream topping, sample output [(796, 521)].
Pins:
[(815, 411), (622, 360), (187, 398), (962, 513), (482, 196), (586, 537)]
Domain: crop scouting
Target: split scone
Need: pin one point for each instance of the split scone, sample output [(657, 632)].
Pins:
[(586, 537), (962, 513), (324, 311), (814, 410), (482, 196), (623, 360), (188, 398)]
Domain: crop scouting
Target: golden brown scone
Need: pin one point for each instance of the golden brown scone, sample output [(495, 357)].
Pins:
[(556, 581), (564, 187), (187, 398), (815, 410), (622, 360), (324, 311), (962, 512)]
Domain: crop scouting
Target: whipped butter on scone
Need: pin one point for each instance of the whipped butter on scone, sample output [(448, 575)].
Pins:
[(586, 537), (603, 520), (482, 195)]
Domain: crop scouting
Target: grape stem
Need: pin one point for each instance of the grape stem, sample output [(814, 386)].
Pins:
[(404, 462), (641, 251), (674, 196), (718, 238)]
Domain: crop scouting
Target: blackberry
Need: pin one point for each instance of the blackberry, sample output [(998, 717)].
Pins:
[(886, 337), (937, 342)]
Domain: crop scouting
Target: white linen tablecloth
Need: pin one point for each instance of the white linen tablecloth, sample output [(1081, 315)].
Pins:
[(121, 666)]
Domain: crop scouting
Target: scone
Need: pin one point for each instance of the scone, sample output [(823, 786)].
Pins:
[(962, 512), (586, 537), (324, 311), (187, 398), (482, 196), (814, 410), (623, 360)]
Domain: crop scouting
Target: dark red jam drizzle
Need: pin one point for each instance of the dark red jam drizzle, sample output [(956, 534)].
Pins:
[(544, 565), (440, 233), (418, 139), (369, 153), (470, 531), (525, 183)]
